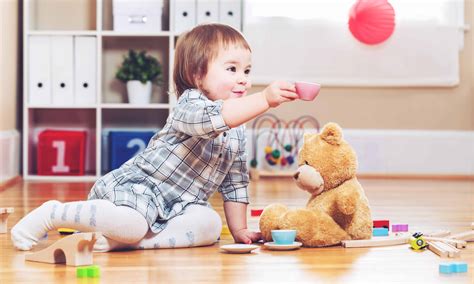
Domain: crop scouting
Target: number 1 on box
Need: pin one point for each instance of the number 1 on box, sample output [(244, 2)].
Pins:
[(60, 167)]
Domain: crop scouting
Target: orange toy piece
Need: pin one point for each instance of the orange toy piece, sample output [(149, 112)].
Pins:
[(74, 250), (4, 212)]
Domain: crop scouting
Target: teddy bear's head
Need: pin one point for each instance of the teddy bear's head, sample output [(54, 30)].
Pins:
[(325, 160)]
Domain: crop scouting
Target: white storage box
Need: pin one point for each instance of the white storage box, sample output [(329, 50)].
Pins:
[(137, 15), (10, 155)]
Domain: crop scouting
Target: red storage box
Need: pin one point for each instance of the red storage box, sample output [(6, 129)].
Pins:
[(61, 152)]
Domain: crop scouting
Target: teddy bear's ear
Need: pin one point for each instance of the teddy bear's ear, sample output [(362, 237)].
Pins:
[(332, 133)]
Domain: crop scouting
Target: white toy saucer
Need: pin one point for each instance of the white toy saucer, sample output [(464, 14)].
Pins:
[(274, 246), (239, 248)]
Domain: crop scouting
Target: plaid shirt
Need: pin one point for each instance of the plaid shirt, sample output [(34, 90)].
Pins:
[(194, 155)]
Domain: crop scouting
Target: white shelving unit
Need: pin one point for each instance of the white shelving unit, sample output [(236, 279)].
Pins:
[(93, 18)]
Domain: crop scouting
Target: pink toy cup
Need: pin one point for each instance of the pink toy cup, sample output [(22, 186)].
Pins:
[(307, 91)]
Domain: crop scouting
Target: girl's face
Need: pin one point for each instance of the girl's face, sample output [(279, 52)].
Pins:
[(228, 74)]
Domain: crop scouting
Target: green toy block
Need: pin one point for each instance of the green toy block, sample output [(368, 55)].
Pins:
[(92, 271), (81, 272)]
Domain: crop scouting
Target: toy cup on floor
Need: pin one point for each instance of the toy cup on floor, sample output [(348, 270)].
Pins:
[(283, 237), (307, 91)]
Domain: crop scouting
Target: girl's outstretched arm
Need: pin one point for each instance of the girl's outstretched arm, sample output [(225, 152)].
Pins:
[(237, 111)]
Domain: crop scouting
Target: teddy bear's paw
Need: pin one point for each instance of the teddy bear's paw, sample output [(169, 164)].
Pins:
[(271, 219)]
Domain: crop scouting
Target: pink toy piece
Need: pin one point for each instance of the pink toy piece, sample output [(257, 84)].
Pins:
[(307, 91), (400, 228)]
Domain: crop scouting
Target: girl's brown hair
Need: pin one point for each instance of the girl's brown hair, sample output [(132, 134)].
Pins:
[(197, 48)]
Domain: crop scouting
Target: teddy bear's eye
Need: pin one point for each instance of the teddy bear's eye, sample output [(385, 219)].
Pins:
[(306, 162)]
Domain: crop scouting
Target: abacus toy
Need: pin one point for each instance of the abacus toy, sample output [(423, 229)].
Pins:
[(283, 142)]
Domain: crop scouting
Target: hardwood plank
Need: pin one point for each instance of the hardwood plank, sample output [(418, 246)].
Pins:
[(426, 205)]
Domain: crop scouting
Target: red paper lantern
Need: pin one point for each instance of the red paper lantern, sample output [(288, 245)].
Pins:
[(372, 21)]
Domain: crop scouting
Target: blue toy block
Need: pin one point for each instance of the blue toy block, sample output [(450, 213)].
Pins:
[(124, 145), (452, 267), (460, 267), (378, 232), (446, 268)]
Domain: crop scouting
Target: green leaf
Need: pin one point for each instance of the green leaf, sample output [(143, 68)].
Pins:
[(139, 66)]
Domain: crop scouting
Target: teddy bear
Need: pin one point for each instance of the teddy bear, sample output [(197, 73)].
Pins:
[(337, 209)]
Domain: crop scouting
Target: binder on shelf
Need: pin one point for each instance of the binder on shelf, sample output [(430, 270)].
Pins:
[(207, 11), (62, 70), (230, 13), (85, 65), (39, 82), (184, 15)]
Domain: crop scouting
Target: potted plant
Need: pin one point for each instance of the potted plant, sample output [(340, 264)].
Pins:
[(139, 71)]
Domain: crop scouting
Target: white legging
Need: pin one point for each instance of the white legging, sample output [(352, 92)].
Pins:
[(197, 226), (120, 225)]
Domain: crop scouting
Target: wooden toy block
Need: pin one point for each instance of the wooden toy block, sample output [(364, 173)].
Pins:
[(443, 250), (74, 250), (456, 243), (379, 232), (432, 246), (381, 224), (400, 228), (452, 251), (4, 213), (256, 212), (377, 242), (467, 236)]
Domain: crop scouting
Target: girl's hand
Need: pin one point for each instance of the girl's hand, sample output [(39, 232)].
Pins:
[(247, 237), (279, 92)]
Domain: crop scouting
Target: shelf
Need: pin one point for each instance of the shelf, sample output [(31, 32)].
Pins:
[(62, 33), (131, 34), (91, 178), (110, 110), (113, 51), (134, 118), (60, 107), (61, 119), (132, 106)]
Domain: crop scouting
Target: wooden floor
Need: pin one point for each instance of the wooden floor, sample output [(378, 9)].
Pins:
[(425, 205)]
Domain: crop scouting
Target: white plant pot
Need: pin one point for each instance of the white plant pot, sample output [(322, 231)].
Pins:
[(139, 93)]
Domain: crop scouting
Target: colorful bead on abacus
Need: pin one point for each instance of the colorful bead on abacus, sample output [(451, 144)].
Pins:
[(270, 159), (288, 147), (290, 160), (253, 163), (283, 161), (276, 154), (268, 150)]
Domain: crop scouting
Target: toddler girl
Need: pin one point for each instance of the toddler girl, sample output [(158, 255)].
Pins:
[(159, 198)]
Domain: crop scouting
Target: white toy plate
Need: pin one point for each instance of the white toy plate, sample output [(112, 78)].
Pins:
[(239, 248), (274, 246)]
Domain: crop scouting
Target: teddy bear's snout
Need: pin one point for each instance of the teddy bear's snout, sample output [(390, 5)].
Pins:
[(296, 175)]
